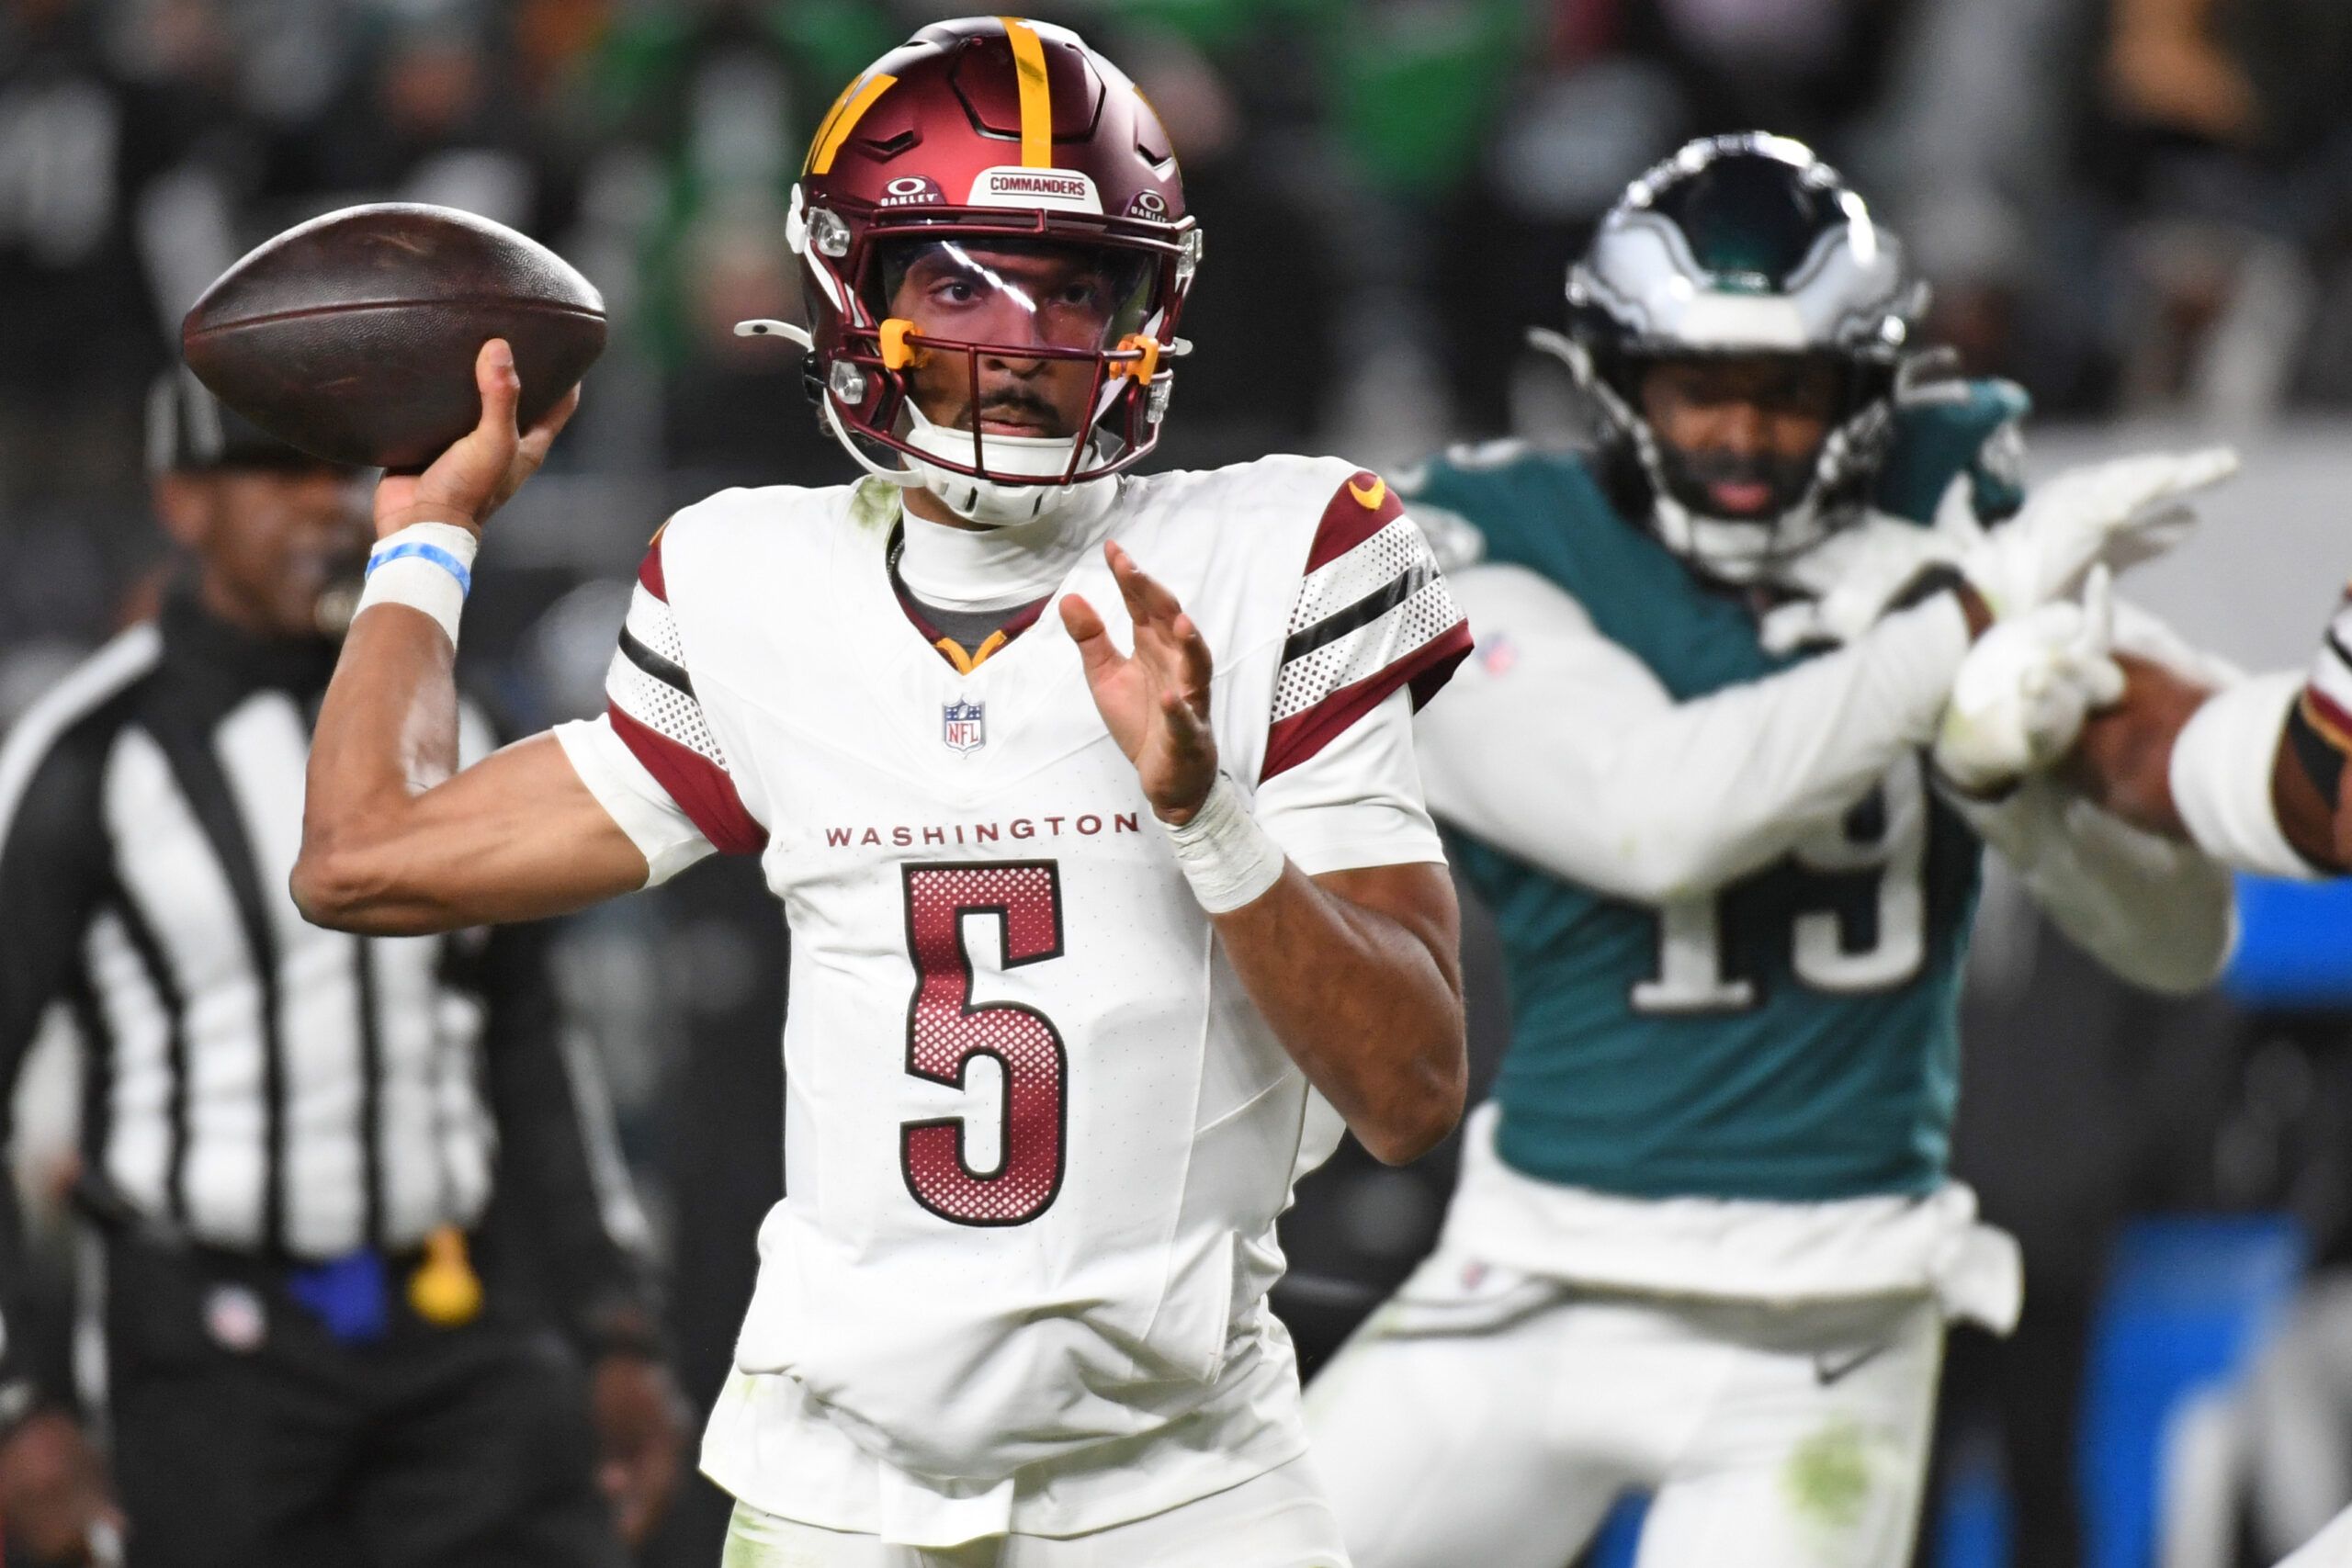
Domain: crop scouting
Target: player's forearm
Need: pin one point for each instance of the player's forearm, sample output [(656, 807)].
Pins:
[(2252, 799), (1657, 800), (395, 844), (1358, 974), (2154, 911), (387, 733)]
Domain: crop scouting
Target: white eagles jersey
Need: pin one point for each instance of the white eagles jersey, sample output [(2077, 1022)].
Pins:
[(1036, 1134)]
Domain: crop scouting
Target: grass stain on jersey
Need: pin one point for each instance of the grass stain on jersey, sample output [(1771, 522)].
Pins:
[(874, 504), (1829, 1476)]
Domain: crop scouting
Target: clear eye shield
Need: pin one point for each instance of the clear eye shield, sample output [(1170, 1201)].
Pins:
[(1011, 350)]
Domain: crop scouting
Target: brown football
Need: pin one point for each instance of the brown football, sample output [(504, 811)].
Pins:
[(353, 336)]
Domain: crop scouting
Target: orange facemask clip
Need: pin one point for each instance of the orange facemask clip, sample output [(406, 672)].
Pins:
[(1146, 360), (896, 352)]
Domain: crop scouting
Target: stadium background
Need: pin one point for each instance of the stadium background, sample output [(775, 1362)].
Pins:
[(2142, 210)]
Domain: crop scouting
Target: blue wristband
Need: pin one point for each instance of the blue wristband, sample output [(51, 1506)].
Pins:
[(423, 551)]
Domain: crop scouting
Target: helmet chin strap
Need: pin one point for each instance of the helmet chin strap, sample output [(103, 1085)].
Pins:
[(987, 502)]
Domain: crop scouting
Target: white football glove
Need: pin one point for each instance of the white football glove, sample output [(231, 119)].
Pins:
[(1848, 579), (2023, 692), (2121, 512)]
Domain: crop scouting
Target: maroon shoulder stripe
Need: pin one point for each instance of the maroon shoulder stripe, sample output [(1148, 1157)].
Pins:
[(1357, 509), (648, 570), (699, 785)]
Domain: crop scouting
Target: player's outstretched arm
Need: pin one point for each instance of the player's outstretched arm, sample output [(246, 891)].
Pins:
[(1562, 748), (2245, 773), (395, 841), (1357, 971)]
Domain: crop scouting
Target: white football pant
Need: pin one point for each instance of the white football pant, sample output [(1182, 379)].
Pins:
[(1769, 1436), (1281, 1519)]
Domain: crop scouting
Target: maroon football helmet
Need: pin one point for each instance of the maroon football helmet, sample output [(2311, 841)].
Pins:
[(976, 150)]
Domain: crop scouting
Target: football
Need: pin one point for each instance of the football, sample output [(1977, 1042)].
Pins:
[(353, 336)]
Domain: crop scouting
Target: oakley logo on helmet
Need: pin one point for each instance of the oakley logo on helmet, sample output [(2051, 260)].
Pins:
[(1061, 189), (1148, 204), (912, 190)]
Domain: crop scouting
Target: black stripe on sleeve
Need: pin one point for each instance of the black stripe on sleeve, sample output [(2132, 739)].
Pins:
[(1360, 614), (667, 670)]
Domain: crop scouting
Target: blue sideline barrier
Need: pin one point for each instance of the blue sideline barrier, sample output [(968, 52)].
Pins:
[(2188, 1303)]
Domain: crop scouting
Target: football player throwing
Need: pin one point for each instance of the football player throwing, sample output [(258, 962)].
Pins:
[(1094, 924)]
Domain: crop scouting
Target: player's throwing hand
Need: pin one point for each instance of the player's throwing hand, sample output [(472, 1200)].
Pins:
[(487, 466), (1155, 701)]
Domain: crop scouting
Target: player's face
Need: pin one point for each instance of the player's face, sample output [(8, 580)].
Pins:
[(278, 549), (1741, 433), (1014, 297)]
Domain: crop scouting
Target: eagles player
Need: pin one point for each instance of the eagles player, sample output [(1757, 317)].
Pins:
[(1093, 924), (1705, 1243)]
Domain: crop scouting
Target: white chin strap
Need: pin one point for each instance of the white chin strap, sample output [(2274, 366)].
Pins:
[(1731, 550), (985, 502)]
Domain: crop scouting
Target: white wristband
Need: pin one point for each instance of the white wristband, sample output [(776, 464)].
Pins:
[(426, 566), (1227, 857), (2220, 773)]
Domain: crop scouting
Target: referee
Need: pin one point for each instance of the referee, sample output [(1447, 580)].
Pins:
[(366, 1300)]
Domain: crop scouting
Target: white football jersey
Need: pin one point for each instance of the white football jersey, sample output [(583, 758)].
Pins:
[(1036, 1134)]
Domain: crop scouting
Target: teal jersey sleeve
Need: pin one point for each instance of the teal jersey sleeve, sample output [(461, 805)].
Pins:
[(1950, 430), (1793, 1036)]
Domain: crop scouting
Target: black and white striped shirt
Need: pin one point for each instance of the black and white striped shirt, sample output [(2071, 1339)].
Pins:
[(250, 1081)]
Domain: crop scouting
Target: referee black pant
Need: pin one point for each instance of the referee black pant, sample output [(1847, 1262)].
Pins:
[(245, 1435)]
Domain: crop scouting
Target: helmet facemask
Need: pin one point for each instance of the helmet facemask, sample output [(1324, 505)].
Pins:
[(1007, 351), (1808, 495), (1005, 364)]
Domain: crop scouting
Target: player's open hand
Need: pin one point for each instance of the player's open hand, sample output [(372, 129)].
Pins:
[(2122, 512), (1155, 702), (474, 478)]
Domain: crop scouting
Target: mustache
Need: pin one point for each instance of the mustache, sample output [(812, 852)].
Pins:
[(1013, 403)]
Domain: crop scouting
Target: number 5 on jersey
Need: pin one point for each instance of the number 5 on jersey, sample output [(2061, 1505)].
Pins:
[(944, 1031)]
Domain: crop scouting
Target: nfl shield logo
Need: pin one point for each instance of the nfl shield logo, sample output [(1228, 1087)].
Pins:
[(964, 725)]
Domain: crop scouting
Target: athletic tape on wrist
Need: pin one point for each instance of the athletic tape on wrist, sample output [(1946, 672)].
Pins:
[(426, 566), (2220, 774), (1227, 858)]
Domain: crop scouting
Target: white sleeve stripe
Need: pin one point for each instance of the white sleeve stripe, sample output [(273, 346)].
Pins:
[(662, 709), (1366, 569), (1420, 620)]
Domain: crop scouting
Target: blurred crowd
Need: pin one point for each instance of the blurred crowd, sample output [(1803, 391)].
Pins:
[(2129, 205), (2124, 204)]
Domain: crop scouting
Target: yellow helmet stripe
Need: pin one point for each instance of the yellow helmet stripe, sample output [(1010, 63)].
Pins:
[(848, 109), (1036, 96)]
